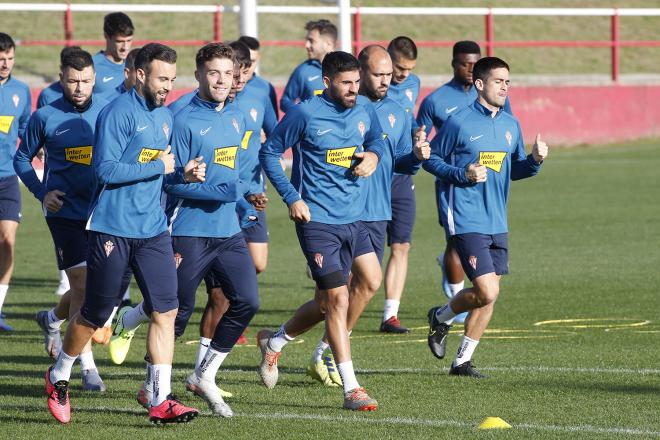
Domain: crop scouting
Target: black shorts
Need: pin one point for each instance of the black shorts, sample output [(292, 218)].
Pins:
[(70, 239), (481, 253), (10, 199), (400, 228)]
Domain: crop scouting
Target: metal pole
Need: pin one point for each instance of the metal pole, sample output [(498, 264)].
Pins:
[(615, 46), (357, 31), (249, 20), (68, 24), (345, 25), (490, 34), (217, 24)]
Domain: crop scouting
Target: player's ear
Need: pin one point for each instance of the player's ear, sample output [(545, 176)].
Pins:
[(479, 84), (326, 81), (140, 75), (197, 75)]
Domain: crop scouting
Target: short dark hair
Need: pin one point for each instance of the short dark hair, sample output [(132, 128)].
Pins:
[(465, 47), (250, 42), (484, 66), (154, 51), (404, 47), (130, 59), (325, 27), (337, 62), (6, 42), (214, 50), (241, 53), (75, 58), (117, 23)]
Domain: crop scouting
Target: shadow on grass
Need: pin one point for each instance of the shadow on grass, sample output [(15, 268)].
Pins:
[(34, 282)]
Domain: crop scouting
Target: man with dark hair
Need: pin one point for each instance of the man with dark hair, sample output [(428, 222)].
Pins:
[(306, 80), (256, 83), (118, 33), (15, 110), (434, 111), (128, 228), (54, 91), (476, 153), (130, 75), (65, 128), (339, 142)]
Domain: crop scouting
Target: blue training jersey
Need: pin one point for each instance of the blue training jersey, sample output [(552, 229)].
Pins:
[(325, 136), (305, 82), (258, 115), (129, 175), (67, 137), (259, 85), (469, 136), (397, 155), (207, 209), (50, 94), (109, 75), (182, 102), (406, 94), (15, 108)]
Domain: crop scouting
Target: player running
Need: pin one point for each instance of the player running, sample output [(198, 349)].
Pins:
[(255, 82), (476, 153), (15, 106), (109, 63)]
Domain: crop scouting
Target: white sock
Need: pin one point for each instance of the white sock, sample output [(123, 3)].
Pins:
[(134, 317), (148, 383), (391, 308), (161, 377), (127, 294), (465, 350), (108, 323), (201, 350), (87, 361), (348, 376), (455, 288), (3, 294), (445, 314), (279, 340), (63, 278), (53, 321), (210, 364), (62, 368), (318, 351)]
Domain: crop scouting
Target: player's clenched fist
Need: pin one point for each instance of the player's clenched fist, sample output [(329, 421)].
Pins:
[(299, 212), (168, 159), (476, 173), (53, 200), (367, 165), (422, 150), (539, 150), (195, 170)]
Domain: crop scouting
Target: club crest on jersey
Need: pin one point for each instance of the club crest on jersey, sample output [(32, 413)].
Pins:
[(392, 120), (234, 122), (318, 259), (16, 99), (109, 247), (473, 262), (166, 129), (508, 137), (361, 128), (253, 114), (177, 259), (60, 252), (409, 94)]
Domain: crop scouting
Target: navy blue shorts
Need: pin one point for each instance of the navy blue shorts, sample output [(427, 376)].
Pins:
[(109, 257), (481, 254), (399, 229), (259, 232), (70, 239), (331, 249), (377, 231), (10, 199)]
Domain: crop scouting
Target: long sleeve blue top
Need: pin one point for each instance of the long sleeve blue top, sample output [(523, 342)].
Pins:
[(305, 82), (15, 108)]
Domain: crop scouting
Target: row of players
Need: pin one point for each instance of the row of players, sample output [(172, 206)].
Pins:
[(329, 264)]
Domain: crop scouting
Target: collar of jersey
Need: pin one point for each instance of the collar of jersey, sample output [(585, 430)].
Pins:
[(332, 104), (199, 102), (315, 63), (9, 81), (480, 108)]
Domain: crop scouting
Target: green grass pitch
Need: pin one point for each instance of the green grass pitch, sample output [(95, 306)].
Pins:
[(583, 255)]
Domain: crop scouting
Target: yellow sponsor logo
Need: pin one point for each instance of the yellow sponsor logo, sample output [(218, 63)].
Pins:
[(81, 155), (342, 157), (246, 139), (226, 156), (492, 159), (5, 123), (147, 155), (317, 92)]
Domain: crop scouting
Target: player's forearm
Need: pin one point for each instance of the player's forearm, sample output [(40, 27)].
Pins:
[(444, 171), (407, 164), (25, 171), (270, 162), (225, 192), (522, 169), (114, 172)]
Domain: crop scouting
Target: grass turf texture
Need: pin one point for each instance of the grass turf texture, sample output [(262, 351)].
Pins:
[(281, 61), (583, 245)]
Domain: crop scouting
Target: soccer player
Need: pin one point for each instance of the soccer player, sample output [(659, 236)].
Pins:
[(15, 110), (433, 112), (255, 82), (404, 89), (476, 153), (54, 91), (65, 129), (339, 142), (306, 80), (109, 63), (128, 228), (130, 76)]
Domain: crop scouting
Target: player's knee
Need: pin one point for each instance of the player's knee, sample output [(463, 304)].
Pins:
[(260, 264), (487, 294), (337, 300), (400, 250)]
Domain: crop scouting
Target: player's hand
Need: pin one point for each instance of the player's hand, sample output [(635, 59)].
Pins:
[(299, 212), (195, 170), (367, 165), (420, 134), (422, 150), (53, 201), (476, 173), (539, 150), (168, 159), (259, 201), (41, 154)]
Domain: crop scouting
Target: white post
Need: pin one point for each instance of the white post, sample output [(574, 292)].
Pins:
[(345, 34), (249, 23)]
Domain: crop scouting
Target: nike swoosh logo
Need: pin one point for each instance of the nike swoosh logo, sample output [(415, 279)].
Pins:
[(312, 78), (142, 128), (107, 78), (321, 133), (474, 138), (449, 110), (203, 132), (58, 132)]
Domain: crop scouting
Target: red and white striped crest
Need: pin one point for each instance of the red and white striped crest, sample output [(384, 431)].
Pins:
[(109, 247), (318, 259), (362, 128), (392, 120), (177, 259), (473, 262)]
